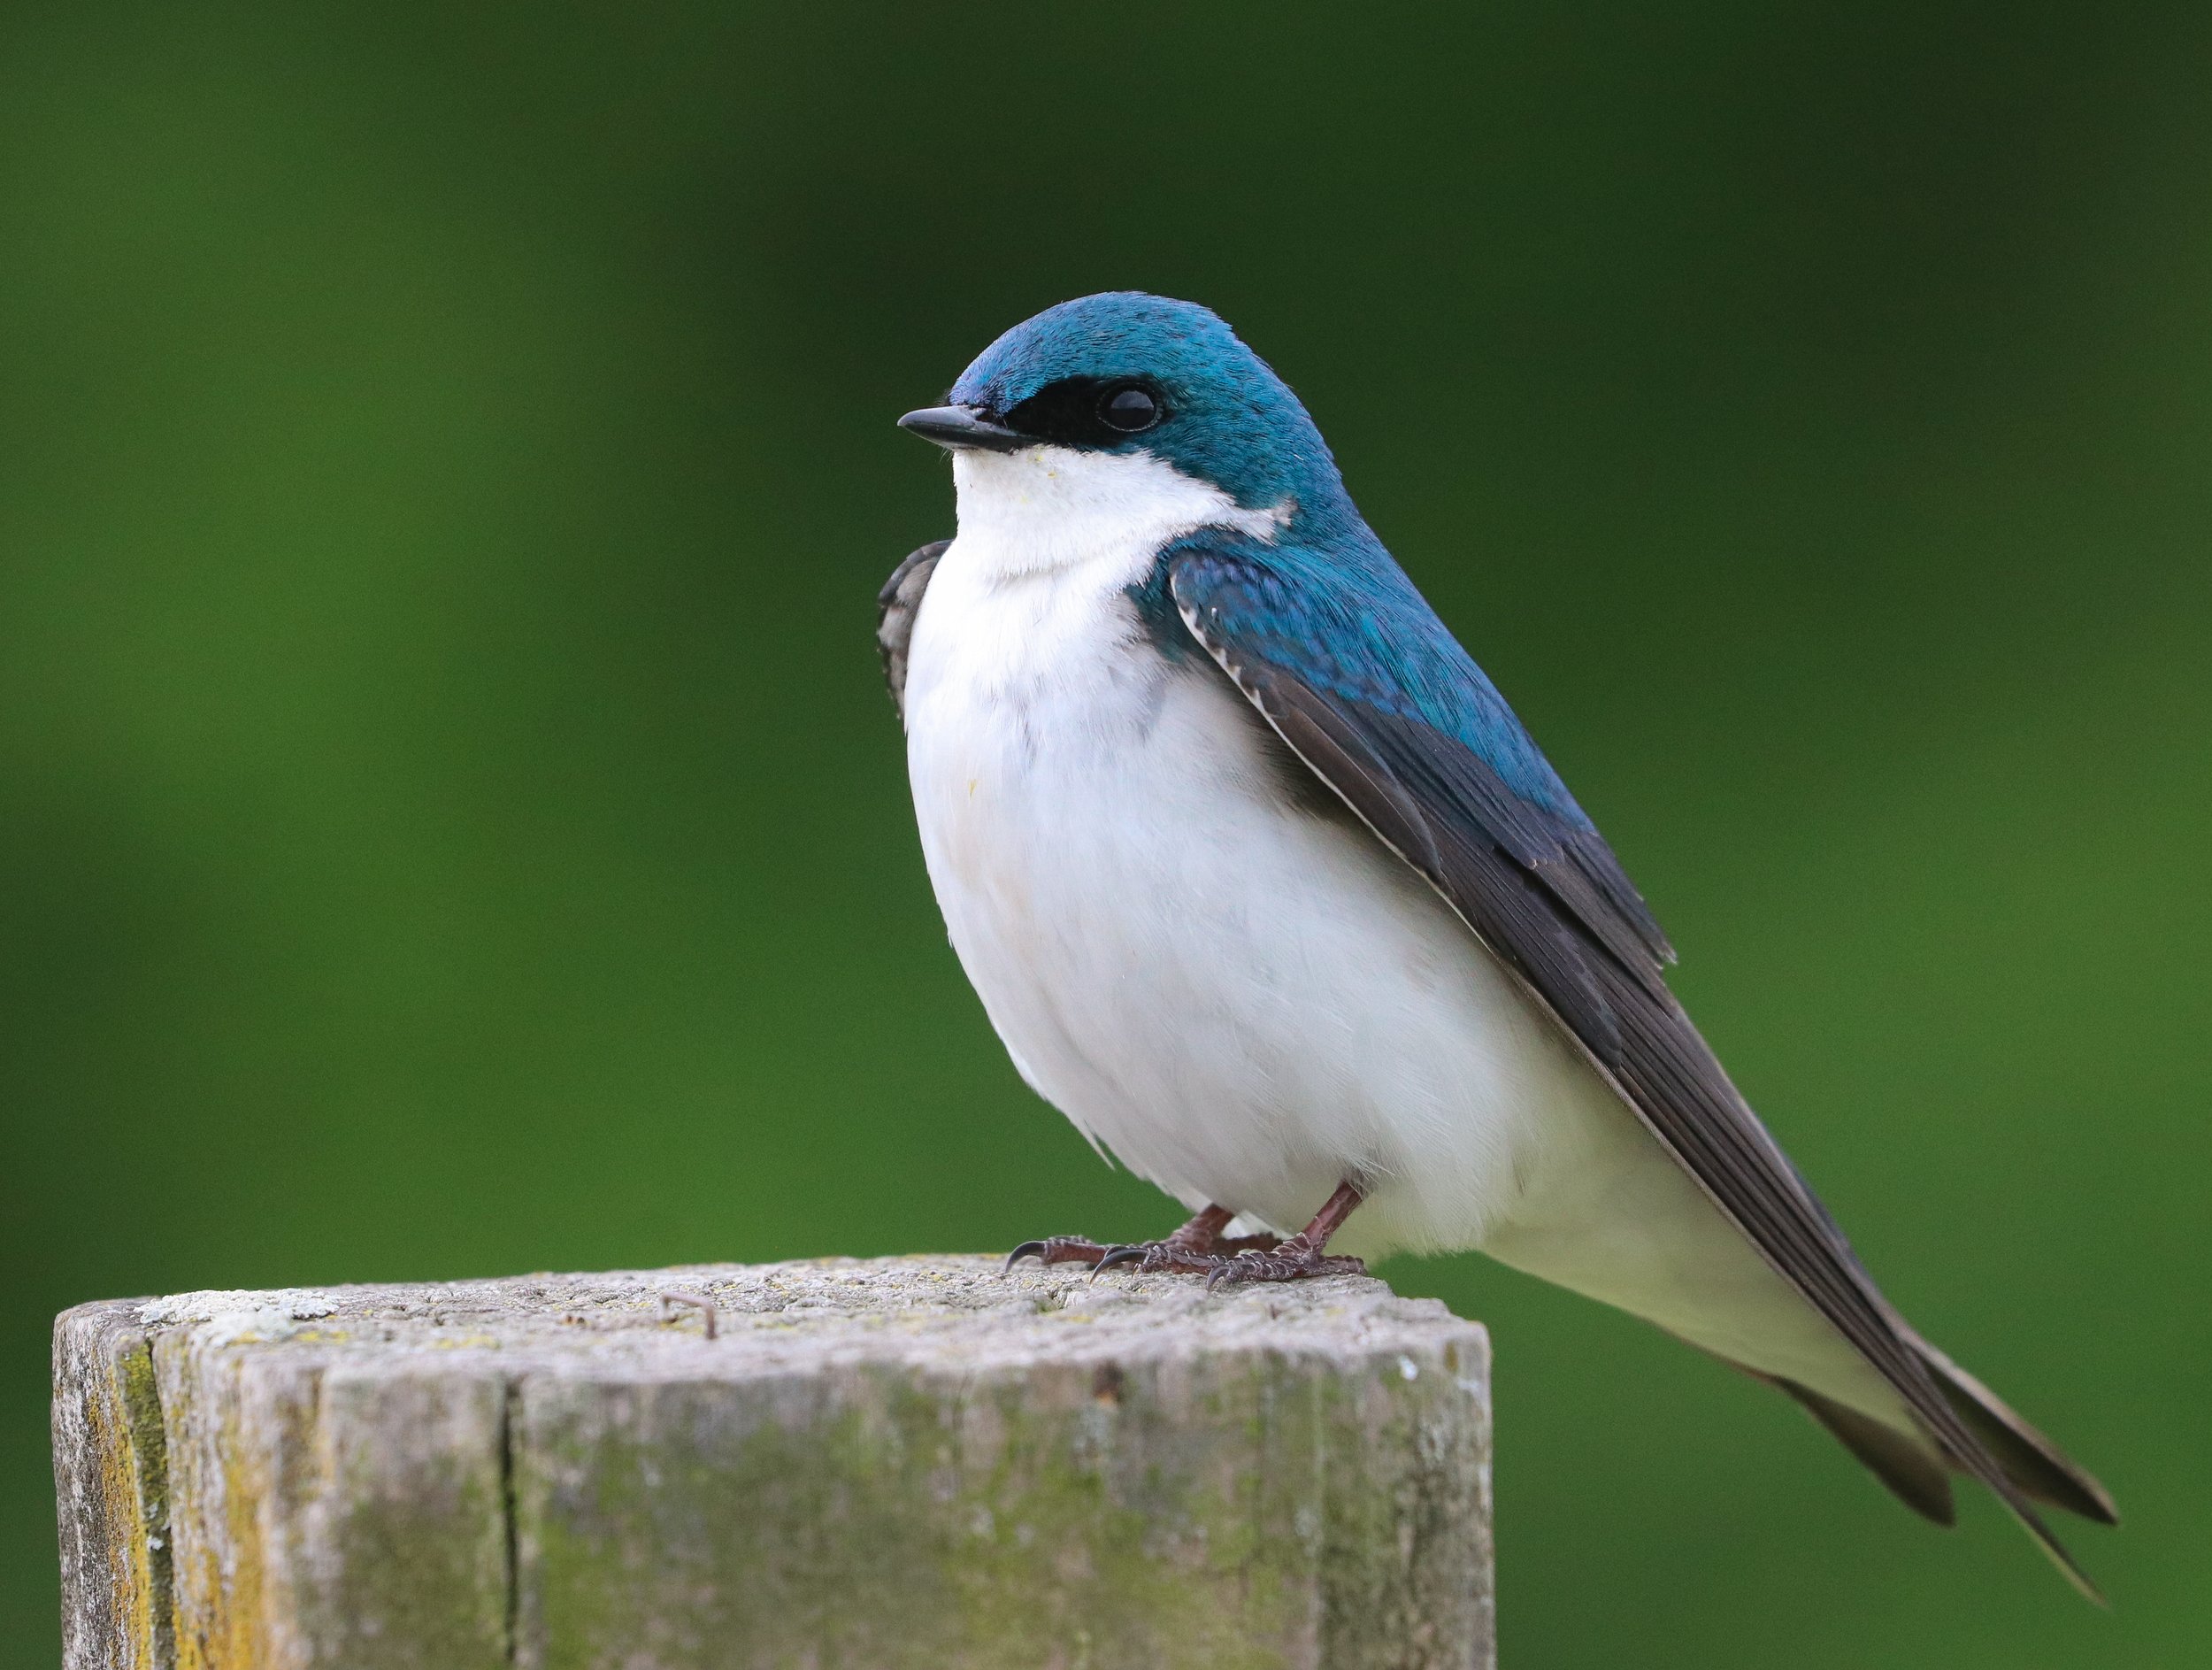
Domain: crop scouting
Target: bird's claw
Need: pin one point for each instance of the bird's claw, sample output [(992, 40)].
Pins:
[(1160, 1257), (1289, 1263), (1129, 1252), (1056, 1250), (1260, 1257)]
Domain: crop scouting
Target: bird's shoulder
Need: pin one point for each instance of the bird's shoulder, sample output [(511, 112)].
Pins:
[(896, 606), (1349, 622), (1337, 643)]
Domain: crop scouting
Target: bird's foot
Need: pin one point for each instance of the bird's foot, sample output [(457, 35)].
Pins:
[(1176, 1253), (1196, 1248), (1295, 1260), (1199, 1247), (1059, 1250)]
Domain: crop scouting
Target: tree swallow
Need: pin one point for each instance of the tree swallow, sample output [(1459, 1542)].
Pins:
[(1263, 886)]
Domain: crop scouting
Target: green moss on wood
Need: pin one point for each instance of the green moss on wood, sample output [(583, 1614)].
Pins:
[(1051, 1518)]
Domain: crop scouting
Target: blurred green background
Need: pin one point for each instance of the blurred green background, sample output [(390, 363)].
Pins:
[(450, 823)]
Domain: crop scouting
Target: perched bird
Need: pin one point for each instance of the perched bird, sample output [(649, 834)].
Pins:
[(1264, 887)]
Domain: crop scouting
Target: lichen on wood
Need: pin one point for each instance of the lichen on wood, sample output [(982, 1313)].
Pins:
[(901, 1462)]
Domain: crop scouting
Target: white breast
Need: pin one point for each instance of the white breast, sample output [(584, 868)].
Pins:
[(1245, 1002), (1249, 1003)]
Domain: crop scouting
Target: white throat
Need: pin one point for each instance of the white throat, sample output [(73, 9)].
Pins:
[(1046, 509)]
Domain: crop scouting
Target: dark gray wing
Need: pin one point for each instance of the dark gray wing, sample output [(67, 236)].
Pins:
[(897, 605), (1541, 889)]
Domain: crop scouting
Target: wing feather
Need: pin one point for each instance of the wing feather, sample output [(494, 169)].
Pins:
[(1540, 888), (897, 605)]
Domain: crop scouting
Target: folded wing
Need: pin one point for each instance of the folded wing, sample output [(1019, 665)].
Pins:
[(1362, 683)]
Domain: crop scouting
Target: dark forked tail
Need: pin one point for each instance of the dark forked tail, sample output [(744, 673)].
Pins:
[(2039, 1468), (1918, 1473)]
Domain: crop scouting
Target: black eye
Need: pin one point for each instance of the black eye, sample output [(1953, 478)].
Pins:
[(1128, 409)]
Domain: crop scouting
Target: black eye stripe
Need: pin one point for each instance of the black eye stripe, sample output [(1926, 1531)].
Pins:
[(1090, 411)]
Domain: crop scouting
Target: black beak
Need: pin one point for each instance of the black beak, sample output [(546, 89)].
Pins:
[(956, 429)]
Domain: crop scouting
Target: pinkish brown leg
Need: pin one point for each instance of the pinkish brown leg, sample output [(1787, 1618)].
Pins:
[(1194, 1247), (1301, 1257)]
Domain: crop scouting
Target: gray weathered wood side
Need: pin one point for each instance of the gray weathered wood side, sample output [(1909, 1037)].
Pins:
[(899, 1462)]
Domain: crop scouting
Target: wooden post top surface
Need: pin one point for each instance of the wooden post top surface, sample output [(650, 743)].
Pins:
[(901, 1461)]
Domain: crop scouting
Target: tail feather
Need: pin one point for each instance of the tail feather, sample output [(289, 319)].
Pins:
[(1916, 1469), (2054, 1550), (1911, 1466), (2039, 1468)]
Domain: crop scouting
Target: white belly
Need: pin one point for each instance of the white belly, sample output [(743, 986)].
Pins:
[(1246, 1004), (1249, 1002)]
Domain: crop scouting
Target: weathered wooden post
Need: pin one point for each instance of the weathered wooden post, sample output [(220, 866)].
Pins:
[(904, 1462)]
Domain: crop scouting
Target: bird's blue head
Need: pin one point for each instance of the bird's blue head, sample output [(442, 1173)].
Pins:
[(1127, 372)]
